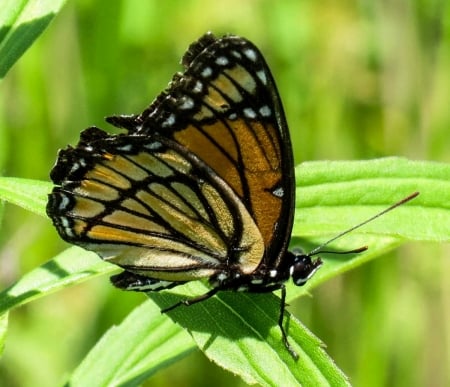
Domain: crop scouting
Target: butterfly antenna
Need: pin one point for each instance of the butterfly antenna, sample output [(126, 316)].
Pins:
[(318, 249)]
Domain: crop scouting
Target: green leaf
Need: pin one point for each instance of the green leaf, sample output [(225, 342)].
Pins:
[(21, 22), (239, 331), (246, 341), (28, 194), (72, 266), (332, 196), (129, 353), (3, 331)]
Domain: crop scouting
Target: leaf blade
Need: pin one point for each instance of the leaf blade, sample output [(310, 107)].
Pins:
[(26, 193), (259, 343), (21, 22), (246, 339), (128, 354), (333, 196), (70, 267)]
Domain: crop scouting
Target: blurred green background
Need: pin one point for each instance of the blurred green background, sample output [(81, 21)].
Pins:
[(358, 80)]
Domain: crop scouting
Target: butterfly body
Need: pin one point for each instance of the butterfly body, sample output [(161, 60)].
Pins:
[(201, 185)]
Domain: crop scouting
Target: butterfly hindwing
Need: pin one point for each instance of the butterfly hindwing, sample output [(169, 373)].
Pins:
[(147, 205)]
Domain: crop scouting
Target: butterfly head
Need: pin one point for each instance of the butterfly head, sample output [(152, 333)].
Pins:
[(303, 267)]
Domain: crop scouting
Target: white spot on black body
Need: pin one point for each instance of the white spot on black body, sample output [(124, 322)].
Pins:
[(125, 148), (63, 203), (222, 61), (65, 223), (198, 88), (262, 76), (242, 288), (206, 72), (222, 277), (75, 167), (188, 103), (67, 227), (153, 145), (249, 113), (169, 121), (236, 54), (291, 270), (150, 286), (265, 111), (278, 192), (302, 281), (250, 54)]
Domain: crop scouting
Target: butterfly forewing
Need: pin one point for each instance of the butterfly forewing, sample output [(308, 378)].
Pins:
[(225, 109)]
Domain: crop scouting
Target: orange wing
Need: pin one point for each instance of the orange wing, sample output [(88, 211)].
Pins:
[(226, 110)]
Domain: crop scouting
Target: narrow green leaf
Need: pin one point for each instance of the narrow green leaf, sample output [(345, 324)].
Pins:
[(3, 331), (21, 22), (72, 266), (129, 353), (28, 194), (334, 195)]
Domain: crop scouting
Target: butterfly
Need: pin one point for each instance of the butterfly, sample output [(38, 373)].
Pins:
[(200, 186)]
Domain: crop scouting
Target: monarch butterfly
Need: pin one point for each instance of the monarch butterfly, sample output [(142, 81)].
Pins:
[(201, 185)]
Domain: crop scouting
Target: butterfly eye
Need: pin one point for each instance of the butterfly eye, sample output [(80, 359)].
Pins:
[(303, 268)]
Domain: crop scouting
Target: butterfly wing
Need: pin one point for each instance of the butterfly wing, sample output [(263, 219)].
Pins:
[(225, 108), (147, 205)]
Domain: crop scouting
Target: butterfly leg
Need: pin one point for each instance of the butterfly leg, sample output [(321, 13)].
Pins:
[(192, 301), (280, 324)]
